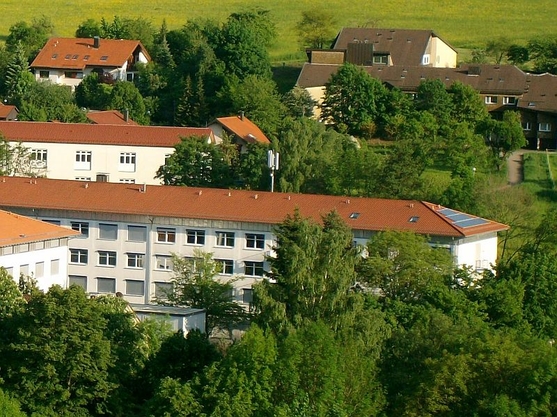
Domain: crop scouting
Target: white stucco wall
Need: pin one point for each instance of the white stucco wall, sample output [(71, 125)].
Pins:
[(105, 159), (479, 252), (442, 56), (51, 258)]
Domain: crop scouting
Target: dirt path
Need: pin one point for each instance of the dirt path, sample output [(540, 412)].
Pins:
[(514, 167)]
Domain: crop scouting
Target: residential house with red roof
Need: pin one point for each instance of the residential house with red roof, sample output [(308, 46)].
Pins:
[(67, 60), (34, 248), (110, 117), (8, 112), (129, 232), (239, 129), (98, 152)]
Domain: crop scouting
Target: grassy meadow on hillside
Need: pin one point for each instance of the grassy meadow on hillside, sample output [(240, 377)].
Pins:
[(463, 23)]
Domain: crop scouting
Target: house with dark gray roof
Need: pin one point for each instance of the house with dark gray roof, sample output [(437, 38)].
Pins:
[(387, 47)]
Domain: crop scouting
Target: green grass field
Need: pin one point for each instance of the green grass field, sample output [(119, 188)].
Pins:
[(462, 23)]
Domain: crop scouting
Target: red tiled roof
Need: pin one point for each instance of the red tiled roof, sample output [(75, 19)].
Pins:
[(5, 110), (244, 128), (160, 136), (231, 205), (16, 229), (79, 53), (109, 117)]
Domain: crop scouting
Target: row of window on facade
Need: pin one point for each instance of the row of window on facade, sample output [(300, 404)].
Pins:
[(127, 160), (507, 100), (542, 127), (39, 270), (198, 237), (162, 262), (134, 287)]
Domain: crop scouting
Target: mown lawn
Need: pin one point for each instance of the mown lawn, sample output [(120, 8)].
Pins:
[(463, 23), (537, 178)]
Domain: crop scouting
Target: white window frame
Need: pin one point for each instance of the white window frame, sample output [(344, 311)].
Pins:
[(81, 227), (527, 126), (83, 160), (380, 59), (255, 241), (251, 269), (127, 162), (227, 266), (510, 100), (544, 127), (166, 235), (490, 99), (425, 59), (39, 158), (163, 263), (107, 258), (81, 256), (225, 239), (195, 237), (135, 260)]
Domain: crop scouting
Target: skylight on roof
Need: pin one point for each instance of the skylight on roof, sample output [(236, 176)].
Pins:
[(414, 219), (354, 215), (86, 57), (75, 56), (54, 56), (68, 56), (104, 57)]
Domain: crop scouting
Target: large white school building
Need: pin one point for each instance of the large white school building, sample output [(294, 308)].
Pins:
[(128, 232)]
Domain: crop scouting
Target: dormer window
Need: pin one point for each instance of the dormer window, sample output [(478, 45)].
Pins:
[(75, 56), (381, 59), (86, 57), (68, 56), (54, 56), (104, 57)]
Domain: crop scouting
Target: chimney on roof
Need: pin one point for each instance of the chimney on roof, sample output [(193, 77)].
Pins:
[(126, 115), (96, 42), (144, 188), (242, 115)]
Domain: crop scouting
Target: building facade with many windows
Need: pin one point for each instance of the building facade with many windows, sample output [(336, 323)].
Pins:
[(129, 233), (105, 153), (34, 248)]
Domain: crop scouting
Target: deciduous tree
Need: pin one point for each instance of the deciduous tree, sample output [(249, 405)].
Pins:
[(353, 101), (195, 284), (316, 29)]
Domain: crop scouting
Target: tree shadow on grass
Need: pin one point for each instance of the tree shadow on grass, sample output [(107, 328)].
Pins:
[(547, 195)]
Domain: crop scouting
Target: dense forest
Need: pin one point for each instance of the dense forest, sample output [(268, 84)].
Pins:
[(397, 332)]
